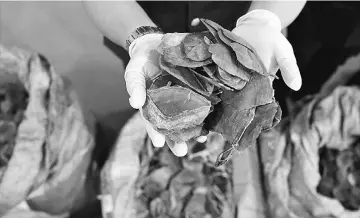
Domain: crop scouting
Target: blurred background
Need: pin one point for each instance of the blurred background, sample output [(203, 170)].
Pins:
[(65, 35)]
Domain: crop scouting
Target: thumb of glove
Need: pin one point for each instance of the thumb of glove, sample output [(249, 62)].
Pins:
[(288, 65), (142, 62)]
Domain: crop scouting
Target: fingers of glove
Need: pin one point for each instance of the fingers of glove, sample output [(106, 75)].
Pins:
[(178, 149), (135, 82), (195, 22), (202, 139), (287, 62), (261, 17)]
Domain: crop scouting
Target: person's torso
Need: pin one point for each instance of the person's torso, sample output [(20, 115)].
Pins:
[(175, 16)]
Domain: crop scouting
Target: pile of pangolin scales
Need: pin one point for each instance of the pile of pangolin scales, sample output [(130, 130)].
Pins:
[(340, 175), (173, 187), (211, 81), (13, 102)]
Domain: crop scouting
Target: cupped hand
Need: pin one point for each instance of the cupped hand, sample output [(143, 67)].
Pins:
[(262, 30), (143, 65)]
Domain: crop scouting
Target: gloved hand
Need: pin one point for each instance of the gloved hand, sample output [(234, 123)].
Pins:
[(262, 30), (144, 65)]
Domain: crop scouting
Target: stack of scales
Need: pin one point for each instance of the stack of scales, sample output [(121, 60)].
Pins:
[(211, 81)]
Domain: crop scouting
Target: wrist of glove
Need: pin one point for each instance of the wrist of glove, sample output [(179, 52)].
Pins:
[(261, 18)]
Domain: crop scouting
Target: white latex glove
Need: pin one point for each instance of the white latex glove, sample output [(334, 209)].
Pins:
[(144, 64), (262, 30)]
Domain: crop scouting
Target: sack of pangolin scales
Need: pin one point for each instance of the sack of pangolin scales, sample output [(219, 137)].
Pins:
[(311, 164), (139, 180), (46, 139), (308, 166), (312, 160)]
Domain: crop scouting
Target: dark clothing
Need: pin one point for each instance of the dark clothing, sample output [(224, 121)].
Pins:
[(174, 16), (323, 36)]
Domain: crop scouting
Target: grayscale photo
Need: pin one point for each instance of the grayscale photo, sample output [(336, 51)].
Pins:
[(180, 109)]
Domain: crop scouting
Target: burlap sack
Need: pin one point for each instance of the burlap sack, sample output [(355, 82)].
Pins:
[(126, 183), (121, 170), (291, 160), (283, 166), (50, 163)]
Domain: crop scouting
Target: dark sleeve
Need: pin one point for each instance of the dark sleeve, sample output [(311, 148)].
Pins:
[(171, 16), (176, 16)]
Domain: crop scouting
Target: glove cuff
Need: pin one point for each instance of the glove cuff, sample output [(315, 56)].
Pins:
[(144, 41), (262, 17)]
